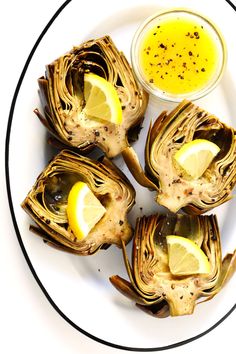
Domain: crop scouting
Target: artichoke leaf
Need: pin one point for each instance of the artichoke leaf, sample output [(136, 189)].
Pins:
[(46, 203), (228, 270), (175, 189), (125, 288), (63, 101), (151, 284), (131, 159), (160, 310)]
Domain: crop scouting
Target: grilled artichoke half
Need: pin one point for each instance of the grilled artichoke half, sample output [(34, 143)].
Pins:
[(61, 92), (174, 189), (46, 203), (152, 286)]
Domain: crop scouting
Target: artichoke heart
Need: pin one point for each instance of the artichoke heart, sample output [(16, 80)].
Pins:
[(63, 100), (152, 286), (176, 189), (46, 203)]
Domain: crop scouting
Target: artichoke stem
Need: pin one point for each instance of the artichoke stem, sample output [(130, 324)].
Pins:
[(131, 159), (180, 305)]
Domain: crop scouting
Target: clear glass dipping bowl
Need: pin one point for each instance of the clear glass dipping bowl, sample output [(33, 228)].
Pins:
[(150, 23)]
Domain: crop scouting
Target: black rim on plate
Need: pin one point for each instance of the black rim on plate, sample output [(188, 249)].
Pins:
[(8, 187)]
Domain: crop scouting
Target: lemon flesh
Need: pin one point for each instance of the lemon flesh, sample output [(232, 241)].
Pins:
[(84, 210), (102, 100), (185, 257), (196, 156)]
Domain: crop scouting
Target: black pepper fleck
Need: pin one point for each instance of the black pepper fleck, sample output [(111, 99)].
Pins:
[(177, 180), (163, 46)]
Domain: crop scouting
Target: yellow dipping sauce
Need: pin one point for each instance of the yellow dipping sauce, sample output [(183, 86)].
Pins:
[(180, 54)]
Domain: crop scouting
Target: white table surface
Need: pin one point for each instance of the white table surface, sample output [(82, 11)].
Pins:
[(28, 322)]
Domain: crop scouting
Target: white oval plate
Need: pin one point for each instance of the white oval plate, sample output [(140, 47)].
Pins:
[(78, 287)]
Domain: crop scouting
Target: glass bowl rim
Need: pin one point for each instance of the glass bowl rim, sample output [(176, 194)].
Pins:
[(155, 92)]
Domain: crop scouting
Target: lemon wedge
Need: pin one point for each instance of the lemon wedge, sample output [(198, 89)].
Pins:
[(102, 100), (84, 210), (196, 156), (185, 257)]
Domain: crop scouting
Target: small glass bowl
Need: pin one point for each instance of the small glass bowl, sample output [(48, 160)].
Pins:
[(150, 23)]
